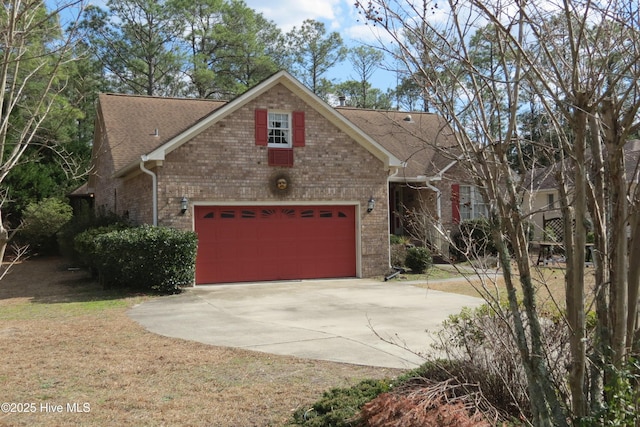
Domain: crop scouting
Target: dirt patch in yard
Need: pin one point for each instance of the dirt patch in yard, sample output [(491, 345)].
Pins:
[(71, 356)]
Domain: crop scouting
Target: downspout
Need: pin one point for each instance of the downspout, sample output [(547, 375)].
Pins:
[(389, 213), (439, 213), (154, 180)]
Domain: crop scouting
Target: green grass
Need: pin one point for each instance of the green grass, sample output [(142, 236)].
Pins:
[(434, 273), (29, 310)]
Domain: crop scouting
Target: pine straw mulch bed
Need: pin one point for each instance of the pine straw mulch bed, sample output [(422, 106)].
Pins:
[(429, 402), (67, 342)]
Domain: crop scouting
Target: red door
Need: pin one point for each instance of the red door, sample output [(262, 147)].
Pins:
[(257, 243)]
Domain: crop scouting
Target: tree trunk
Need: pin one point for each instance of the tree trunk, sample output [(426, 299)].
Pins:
[(574, 218), (619, 267), (4, 241), (546, 408), (597, 202), (634, 278)]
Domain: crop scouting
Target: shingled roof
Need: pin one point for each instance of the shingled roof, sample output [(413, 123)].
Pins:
[(412, 137), (150, 122), (545, 178)]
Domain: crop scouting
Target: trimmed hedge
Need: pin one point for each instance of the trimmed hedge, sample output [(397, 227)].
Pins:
[(84, 244), (159, 259)]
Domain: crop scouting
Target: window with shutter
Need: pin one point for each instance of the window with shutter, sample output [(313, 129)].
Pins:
[(280, 132), (470, 203)]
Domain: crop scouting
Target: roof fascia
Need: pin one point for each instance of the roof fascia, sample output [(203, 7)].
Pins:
[(438, 176), (412, 180)]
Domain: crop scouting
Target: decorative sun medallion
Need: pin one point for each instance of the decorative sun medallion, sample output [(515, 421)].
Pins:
[(280, 184)]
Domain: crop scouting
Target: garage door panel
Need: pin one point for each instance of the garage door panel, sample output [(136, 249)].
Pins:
[(274, 243)]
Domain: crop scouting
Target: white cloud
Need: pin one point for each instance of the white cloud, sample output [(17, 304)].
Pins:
[(337, 15), (289, 13)]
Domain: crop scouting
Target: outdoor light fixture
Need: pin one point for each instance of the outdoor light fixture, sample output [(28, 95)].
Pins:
[(184, 204), (371, 204)]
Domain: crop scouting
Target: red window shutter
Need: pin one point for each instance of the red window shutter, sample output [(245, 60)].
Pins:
[(298, 128), (261, 127), (455, 203), (280, 157)]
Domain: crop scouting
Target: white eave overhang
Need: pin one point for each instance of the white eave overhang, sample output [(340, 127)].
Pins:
[(409, 179)]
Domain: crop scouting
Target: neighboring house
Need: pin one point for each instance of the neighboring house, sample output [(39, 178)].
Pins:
[(543, 195), (276, 183), (542, 201)]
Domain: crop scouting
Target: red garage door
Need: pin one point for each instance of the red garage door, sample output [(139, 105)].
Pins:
[(255, 243)]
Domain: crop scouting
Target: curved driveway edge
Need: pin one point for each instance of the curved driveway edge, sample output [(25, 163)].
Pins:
[(330, 320)]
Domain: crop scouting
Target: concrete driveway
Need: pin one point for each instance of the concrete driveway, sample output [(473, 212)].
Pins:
[(330, 320)]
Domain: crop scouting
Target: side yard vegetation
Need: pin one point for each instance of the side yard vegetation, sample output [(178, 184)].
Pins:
[(439, 393), (476, 378), (143, 258)]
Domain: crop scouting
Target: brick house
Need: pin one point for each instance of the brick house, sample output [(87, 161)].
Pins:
[(276, 183)]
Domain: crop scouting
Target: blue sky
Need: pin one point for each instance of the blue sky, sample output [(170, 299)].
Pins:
[(337, 15)]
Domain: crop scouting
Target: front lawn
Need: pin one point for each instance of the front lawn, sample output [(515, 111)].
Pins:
[(549, 283), (68, 344)]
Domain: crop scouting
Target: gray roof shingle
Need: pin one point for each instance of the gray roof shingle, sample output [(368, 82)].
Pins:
[(143, 115), (411, 137)]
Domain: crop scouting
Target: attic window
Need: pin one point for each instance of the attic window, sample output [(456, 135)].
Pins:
[(279, 130)]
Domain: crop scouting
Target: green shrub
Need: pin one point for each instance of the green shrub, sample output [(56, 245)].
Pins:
[(339, 407), (398, 255), (398, 248), (623, 406), (399, 240), (145, 258), (418, 259), (84, 218), (42, 221), (85, 244)]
